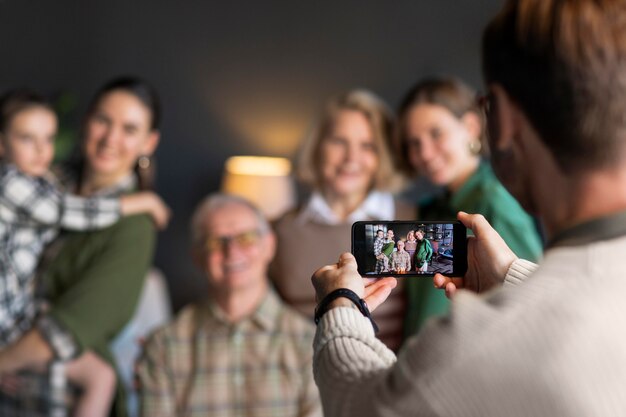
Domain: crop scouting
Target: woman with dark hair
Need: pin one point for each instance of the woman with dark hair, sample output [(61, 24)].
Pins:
[(424, 252), (91, 281), (440, 132)]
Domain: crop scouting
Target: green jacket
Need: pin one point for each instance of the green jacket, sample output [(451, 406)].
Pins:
[(388, 248), (423, 253), (482, 193), (94, 282)]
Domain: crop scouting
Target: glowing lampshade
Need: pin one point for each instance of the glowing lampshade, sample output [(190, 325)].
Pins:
[(263, 180)]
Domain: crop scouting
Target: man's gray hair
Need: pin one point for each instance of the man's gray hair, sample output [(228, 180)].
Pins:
[(214, 202)]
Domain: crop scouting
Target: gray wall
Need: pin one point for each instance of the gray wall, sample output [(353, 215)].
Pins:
[(238, 77)]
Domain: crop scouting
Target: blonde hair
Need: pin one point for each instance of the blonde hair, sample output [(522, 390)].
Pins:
[(381, 120)]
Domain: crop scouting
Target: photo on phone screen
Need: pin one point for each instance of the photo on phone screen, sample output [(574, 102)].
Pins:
[(403, 248)]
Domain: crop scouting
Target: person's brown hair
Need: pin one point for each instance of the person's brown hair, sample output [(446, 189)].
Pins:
[(381, 122), (15, 101), (563, 62), (448, 92)]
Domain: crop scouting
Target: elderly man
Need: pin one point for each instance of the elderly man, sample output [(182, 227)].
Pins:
[(243, 352), (548, 340), (400, 259)]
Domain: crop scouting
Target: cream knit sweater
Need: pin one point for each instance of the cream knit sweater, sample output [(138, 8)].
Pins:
[(550, 342)]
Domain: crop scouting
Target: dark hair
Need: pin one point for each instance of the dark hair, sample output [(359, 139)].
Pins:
[(563, 63), (137, 87), (15, 101), (450, 93), (147, 94), (380, 231)]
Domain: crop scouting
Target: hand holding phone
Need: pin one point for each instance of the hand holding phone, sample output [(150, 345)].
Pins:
[(410, 248), (489, 258)]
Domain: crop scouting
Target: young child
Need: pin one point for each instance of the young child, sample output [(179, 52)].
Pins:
[(382, 262), (32, 210)]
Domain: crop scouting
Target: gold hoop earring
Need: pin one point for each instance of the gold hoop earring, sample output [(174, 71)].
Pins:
[(143, 162), (475, 147)]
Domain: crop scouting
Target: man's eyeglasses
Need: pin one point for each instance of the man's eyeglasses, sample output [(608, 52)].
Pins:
[(243, 240)]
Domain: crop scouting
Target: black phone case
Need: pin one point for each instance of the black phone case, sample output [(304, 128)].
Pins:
[(448, 240)]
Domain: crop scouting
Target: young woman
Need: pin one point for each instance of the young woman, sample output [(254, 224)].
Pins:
[(441, 137), (33, 209), (93, 280)]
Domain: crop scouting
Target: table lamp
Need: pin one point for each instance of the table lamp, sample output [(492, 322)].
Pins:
[(265, 181)]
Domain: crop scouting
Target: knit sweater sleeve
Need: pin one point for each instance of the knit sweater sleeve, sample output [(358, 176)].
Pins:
[(355, 372), (519, 271), (358, 376)]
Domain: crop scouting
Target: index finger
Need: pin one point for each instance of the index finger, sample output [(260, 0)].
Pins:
[(441, 281), (475, 222)]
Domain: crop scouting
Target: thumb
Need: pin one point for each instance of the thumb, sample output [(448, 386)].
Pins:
[(346, 259)]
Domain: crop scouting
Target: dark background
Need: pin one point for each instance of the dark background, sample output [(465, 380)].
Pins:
[(238, 77)]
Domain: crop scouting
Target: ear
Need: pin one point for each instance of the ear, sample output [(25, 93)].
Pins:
[(151, 143), (471, 121), (269, 246), (502, 121)]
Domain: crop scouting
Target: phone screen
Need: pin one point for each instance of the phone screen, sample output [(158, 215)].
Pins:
[(415, 248)]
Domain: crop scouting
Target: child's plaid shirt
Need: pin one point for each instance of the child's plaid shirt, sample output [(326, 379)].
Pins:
[(32, 210)]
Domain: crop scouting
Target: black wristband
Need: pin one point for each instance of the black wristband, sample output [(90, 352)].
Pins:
[(360, 303)]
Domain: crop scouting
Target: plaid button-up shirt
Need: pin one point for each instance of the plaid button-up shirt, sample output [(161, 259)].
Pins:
[(202, 365), (401, 260), (379, 242), (31, 212)]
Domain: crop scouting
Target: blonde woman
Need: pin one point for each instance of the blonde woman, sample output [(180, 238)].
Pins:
[(411, 243), (347, 163)]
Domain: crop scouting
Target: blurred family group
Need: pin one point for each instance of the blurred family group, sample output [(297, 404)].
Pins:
[(412, 254), (78, 240)]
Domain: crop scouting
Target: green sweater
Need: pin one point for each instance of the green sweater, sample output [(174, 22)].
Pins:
[(388, 248), (424, 252), (93, 284), (482, 193)]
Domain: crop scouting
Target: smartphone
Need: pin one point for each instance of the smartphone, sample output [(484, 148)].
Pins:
[(410, 248)]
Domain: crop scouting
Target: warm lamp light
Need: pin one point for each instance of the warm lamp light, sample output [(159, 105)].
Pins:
[(265, 181)]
